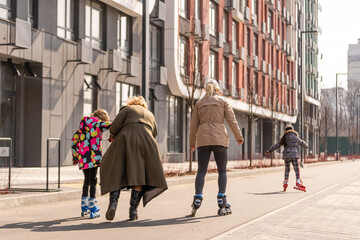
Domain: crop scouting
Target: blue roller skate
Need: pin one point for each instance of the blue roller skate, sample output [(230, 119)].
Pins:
[(84, 206), (94, 209), (196, 204), (224, 206)]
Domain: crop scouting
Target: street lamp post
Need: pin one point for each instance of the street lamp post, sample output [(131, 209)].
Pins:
[(336, 115), (302, 95)]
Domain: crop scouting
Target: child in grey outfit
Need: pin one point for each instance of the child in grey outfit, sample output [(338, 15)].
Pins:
[(290, 141)]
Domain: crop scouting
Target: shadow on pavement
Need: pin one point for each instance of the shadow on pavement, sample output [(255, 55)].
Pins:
[(269, 193), (55, 225)]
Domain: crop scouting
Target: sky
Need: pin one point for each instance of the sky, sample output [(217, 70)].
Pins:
[(340, 23)]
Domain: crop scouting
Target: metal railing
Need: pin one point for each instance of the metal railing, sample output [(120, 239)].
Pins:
[(47, 189), (10, 157)]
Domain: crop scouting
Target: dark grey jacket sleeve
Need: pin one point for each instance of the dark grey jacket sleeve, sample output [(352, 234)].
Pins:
[(274, 147), (303, 143)]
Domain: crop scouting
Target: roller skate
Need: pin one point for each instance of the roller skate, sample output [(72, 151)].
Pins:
[(224, 206), (84, 206), (285, 184), (299, 185), (94, 209), (196, 204)]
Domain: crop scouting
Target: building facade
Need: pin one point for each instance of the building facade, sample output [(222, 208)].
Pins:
[(308, 74), (62, 59)]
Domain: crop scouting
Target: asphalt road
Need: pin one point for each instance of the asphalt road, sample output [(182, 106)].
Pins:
[(254, 199)]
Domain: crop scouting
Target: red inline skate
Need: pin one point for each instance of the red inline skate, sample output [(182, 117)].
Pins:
[(285, 184), (299, 185)]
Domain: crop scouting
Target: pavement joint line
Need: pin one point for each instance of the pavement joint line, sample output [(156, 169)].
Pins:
[(227, 233)]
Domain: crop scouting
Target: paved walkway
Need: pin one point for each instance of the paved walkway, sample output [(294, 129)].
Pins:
[(332, 213)]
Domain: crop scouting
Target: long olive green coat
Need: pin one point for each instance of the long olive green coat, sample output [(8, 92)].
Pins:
[(133, 157)]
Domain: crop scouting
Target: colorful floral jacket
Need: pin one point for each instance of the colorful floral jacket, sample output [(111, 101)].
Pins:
[(86, 142)]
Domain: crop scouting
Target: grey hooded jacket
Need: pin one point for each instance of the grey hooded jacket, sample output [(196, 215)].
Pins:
[(290, 141)]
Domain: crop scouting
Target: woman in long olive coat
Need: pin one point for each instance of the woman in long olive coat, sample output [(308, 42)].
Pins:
[(132, 160)]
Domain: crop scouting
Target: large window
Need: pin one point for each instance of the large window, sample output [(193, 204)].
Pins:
[(255, 47), (5, 9), (123, 93), (269, 22), (31, 12), (254, 7), (90, 95), (235, 76), (212, 18), (65, 19), (183, 8), (123, 34), (94, 23), (183, 53), (212, 65), (197, 9), (226, 72), (258, 136), (155, 54), (256, 83), (226, 26), (234, 31), (174, 124)]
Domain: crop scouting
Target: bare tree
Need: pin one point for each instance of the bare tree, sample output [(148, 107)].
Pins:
[(252, 99), (192, 78), (326, 123)]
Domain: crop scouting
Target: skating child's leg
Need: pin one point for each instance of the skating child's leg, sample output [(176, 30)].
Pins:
[(85, 194), (287, 171), (93, 181), (299, 185)]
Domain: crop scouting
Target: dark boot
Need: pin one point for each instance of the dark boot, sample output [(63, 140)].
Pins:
[(134, 203), (113, 201)]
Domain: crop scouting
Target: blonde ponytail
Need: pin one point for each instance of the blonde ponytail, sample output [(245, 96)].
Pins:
[(212, 88)]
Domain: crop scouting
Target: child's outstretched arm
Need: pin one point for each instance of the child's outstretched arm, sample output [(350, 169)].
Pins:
[(104, 126), (303, 143), (274, 147), (74, 147)]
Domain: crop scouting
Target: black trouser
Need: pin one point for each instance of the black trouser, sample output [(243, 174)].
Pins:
[(220, 154), (90, 180)]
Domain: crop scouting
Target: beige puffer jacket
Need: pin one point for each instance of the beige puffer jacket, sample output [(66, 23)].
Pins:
[(207, 123)]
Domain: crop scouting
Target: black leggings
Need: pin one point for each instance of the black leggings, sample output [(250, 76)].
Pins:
[(220, 154), (295, 164), (89, 180)]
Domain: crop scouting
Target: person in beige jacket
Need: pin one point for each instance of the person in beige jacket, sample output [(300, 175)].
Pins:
[(208, 133)]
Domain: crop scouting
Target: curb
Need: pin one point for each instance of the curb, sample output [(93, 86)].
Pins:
[(70, 194)]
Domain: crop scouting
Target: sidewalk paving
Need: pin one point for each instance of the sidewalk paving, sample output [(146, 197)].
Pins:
[(71, 181)]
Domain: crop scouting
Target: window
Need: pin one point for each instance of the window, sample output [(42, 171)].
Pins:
[(65, 19), (225, 73), (234, 31), (254, 7), (258, 137), (197, 80), (269, 22), (5, 9), (263, 49), (123, 93), (212, 65), (226, 26), (31, 12), (248, 41), (241, 3), (263, 85), (123, 34), (197, 9), (235, 76), (94, 23), (155, 59), (255, 48), (212, 18), (183, 8), (183, 53), (256, 83), (90, 94), (174, 124)]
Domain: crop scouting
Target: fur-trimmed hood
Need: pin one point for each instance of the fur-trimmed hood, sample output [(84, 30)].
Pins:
[(290, 131)]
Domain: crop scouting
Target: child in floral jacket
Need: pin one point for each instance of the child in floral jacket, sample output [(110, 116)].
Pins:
[(86, 151)]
